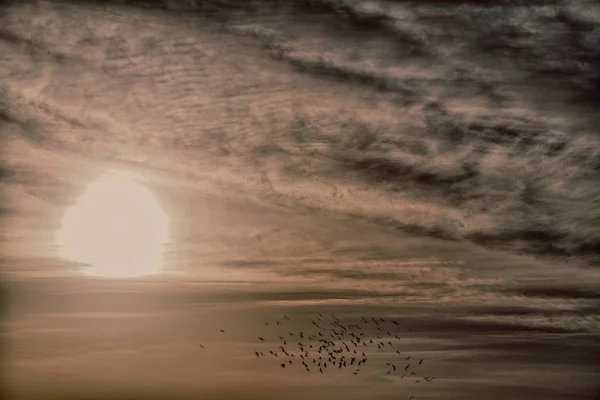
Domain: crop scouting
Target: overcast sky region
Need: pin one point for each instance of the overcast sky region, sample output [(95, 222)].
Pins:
[(301, 199)]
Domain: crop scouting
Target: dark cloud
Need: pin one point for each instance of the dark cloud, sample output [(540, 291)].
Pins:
[(562, 291), (343, 273), (487, 327), (527, 349), (500, 310)]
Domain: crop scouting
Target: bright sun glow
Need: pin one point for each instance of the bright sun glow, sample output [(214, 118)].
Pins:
[(117, 228)]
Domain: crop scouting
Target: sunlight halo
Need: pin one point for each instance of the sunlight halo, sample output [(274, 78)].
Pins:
[(117, 228)]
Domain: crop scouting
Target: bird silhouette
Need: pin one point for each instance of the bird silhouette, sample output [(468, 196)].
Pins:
[(330, 340)]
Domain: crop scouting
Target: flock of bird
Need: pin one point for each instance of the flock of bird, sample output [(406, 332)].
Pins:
[(331, 344)]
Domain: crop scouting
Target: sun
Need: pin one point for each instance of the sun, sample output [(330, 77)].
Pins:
[(117, 228)]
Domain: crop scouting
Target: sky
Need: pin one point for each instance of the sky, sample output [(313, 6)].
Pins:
[(274, 189)]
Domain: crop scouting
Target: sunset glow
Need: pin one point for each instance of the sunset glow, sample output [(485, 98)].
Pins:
[(117, 227)]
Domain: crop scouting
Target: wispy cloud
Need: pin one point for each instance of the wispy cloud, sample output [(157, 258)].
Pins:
[(381, 194)]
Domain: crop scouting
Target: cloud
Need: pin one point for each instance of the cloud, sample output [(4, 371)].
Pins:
[(563, 291), (349, 203)]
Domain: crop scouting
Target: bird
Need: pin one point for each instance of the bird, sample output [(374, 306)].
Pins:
[(202, 346), (337, 344), (222, 330)]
